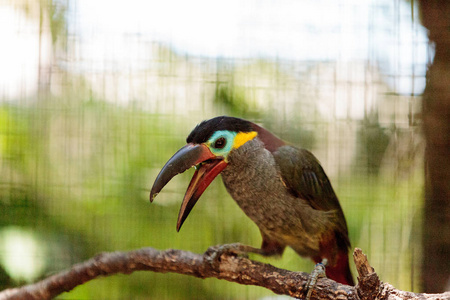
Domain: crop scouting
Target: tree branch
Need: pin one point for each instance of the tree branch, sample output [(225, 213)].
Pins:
[(227, 267)]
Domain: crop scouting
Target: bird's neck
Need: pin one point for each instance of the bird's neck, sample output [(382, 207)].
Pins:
[(250, 163), (252, 179)]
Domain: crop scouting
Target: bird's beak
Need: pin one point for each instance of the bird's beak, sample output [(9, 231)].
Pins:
[(208, 166)]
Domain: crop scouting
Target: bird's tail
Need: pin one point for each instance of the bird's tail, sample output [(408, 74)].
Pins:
[(340, 272)]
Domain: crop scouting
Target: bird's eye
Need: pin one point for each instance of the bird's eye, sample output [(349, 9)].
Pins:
[(220, 143)]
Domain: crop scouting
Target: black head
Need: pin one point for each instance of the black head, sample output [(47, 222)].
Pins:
[(203, 131)]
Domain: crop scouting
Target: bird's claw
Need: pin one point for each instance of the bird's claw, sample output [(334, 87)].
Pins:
[(318, 272)]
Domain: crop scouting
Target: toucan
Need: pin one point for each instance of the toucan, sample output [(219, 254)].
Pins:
[(280, 187)]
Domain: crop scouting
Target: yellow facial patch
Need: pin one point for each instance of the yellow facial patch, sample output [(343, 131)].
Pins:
[(243, 137)]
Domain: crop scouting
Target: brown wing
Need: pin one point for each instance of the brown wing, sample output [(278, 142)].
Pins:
[(305, 178)]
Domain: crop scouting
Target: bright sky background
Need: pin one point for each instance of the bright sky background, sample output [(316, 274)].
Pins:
[(381, 31), (109, 34)]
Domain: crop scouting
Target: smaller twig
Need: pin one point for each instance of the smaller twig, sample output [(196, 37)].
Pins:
[(370, 287), (368, 282)]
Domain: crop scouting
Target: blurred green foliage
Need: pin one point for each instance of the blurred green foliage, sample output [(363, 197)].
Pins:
[(78, 175)]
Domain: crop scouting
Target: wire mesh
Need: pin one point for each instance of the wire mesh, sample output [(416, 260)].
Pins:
[(90, 112)]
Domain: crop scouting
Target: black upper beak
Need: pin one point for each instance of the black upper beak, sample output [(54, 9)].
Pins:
[(208, 167)]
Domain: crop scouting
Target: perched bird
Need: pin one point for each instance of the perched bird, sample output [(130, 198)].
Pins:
[(280, 187)]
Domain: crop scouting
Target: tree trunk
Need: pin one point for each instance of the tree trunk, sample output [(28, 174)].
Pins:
[(436, 123)]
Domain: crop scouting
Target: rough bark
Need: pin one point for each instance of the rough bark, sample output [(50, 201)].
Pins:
[(436, 124), (211, 264)]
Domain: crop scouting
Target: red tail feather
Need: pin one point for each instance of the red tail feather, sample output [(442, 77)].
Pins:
[(340, 272)]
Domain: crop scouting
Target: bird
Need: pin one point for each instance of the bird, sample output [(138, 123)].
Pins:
[(282, 188)]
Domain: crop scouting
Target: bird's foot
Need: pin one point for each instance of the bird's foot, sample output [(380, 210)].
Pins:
[(214, 253), (318, 272)]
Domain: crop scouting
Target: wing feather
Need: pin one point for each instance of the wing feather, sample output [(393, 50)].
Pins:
[(305, 178)]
